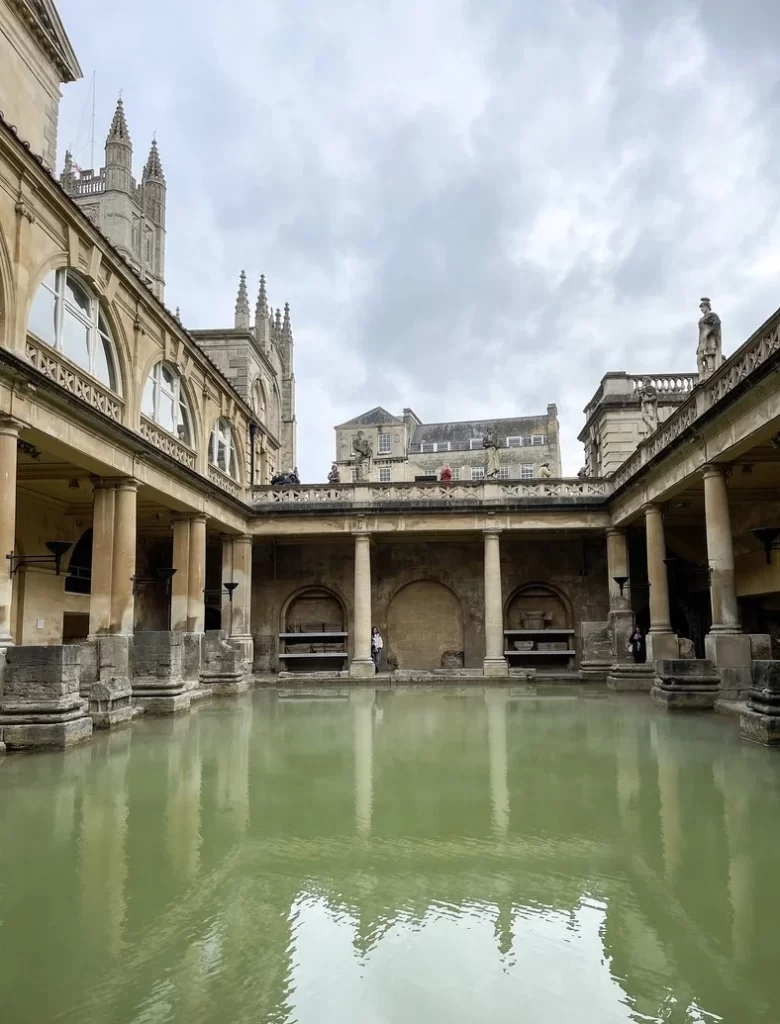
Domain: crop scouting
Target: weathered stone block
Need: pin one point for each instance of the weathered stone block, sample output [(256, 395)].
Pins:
[(451, 659), (191, 659), (686, 684), (687, 650), (110, 703), (41, 705), (760, 646), (597, 656), (224, 666), (88, 661), (761, 721), (157, 680), (42, 673), (662, 646), (630, 677)]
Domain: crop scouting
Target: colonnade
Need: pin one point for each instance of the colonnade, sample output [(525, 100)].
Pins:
[(494, 664)]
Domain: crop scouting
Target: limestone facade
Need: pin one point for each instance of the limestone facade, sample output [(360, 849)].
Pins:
[(406, 449)]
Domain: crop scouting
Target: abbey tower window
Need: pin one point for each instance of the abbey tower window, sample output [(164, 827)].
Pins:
[(66, 315), (165, 402)]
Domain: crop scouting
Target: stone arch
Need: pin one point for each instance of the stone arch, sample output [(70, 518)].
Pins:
[(533, 603), (198, 442), (239, 448), (424, 622), (79, 578), (313, 607), (6, 292), (274, 423)]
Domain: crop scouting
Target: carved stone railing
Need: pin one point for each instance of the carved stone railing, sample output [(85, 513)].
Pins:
[(666, 383), (225, 482), (87, 187), (56, 367), (757, 350), (167, 443), (478, 492)]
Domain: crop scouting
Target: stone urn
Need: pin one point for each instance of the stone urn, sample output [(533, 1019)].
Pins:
[(534, 620)]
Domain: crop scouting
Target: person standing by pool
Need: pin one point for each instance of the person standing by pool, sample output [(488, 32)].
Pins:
[(636, 644), (377, 643)]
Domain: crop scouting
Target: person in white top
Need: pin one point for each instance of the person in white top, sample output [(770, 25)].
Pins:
[(377, 643)]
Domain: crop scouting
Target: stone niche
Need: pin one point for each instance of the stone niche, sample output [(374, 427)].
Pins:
[(41, 705), (158, 683), (686, 684), (761, 721)]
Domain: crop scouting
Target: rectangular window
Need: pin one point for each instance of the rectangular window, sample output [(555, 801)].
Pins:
[(514, 442), (475, 442), (526, 472), (428, 446), (384, 444), (539, 439), (354, 476), (456, 474), (384, 473), (503, 472), (477, 472)]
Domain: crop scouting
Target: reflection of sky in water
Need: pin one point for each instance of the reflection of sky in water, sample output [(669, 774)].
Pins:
[(447, 967)]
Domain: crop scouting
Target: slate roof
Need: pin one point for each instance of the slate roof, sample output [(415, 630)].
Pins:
[(462, 431), (374, 417)]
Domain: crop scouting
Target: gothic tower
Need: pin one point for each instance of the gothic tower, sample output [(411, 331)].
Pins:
[(289, 426), (131, 216)]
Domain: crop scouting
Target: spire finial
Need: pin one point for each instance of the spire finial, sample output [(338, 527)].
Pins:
[(286, 325), (261, 308), (119, 131), (242, 304), (153, 167), (177, 314), (278, 323)]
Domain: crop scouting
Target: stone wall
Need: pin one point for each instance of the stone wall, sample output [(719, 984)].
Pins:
[(427, 596)]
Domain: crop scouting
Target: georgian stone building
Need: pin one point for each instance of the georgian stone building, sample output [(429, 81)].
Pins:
[(405, 448), (145, 559)]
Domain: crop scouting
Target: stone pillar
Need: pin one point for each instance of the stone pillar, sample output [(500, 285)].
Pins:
[(362, 663), (725, 644), (9, 434), (123, 560), (617, 565), (241, 625), (661, 641), (495, 662), (624, 674), (227, 577), (180, 581), (103, 516), (196, 575)]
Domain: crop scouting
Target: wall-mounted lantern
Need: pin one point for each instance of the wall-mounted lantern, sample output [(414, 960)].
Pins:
[(57, 548), (768, 537)]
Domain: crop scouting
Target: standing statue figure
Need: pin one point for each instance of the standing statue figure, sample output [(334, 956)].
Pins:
[(363, 452), (544, 471), (334, 477), (709, 354), (648, 398), (490, 444)]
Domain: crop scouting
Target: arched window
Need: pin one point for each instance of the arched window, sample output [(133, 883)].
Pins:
[(258, 400), (222, 449), (165, 402), (67, 316)]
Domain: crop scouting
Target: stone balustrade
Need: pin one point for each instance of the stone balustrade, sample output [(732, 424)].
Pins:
[(457, 493), (56, 367), (666, 383), (167, 443), (223, 481)]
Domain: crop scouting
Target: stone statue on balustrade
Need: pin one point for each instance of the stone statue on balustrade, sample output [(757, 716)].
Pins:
[(363, 453), (334, 477), (648, 398), (544, 471), (709, 354), (492, 464)]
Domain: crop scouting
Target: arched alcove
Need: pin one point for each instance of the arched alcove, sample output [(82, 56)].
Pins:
[(538, 606), (315, 608), (424, 622)]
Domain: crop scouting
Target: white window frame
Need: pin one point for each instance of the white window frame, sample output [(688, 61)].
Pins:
[(385, 474), (538, 439), (514, 442), (93, 321), (503, 472), (527, 472), (477, 472), (222, 448), (384, 444), (475, 443), (182, 418)]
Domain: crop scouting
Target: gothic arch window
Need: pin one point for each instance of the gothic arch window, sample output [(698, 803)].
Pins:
[(259, 403), (274, 417), (222, 448), (165, 402), (66, 315)]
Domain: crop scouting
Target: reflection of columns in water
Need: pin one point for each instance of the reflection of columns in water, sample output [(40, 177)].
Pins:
[(668, 793), (628, 779), (233, 766), (362, 702), (103, 852), (496, 701), (183, 812), (735, 782)]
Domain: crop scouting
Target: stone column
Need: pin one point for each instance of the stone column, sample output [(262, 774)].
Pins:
[(725, 644), (495, 662), (617, 565), (624, 674), (227, 577), (241, 625), (661, 641), (180, 581), (362, 663), (196, 574), (9, 435), (123, 560), (103, 516)]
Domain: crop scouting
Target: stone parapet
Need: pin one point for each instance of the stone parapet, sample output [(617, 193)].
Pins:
[(158, 684), (686, 684), (41, 705), (761, 721)]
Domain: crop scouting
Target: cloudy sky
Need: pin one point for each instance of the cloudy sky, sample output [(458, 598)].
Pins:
[(474, 207)]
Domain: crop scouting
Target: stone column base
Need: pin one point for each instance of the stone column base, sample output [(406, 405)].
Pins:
[(761, 721), (158, 686), (662, 647), (631, 677), (110, 703), (225, 664), (53, 725), (159, 703), (593, 671), (495, 667), (730, 653), (686, 685), (360, 668)]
